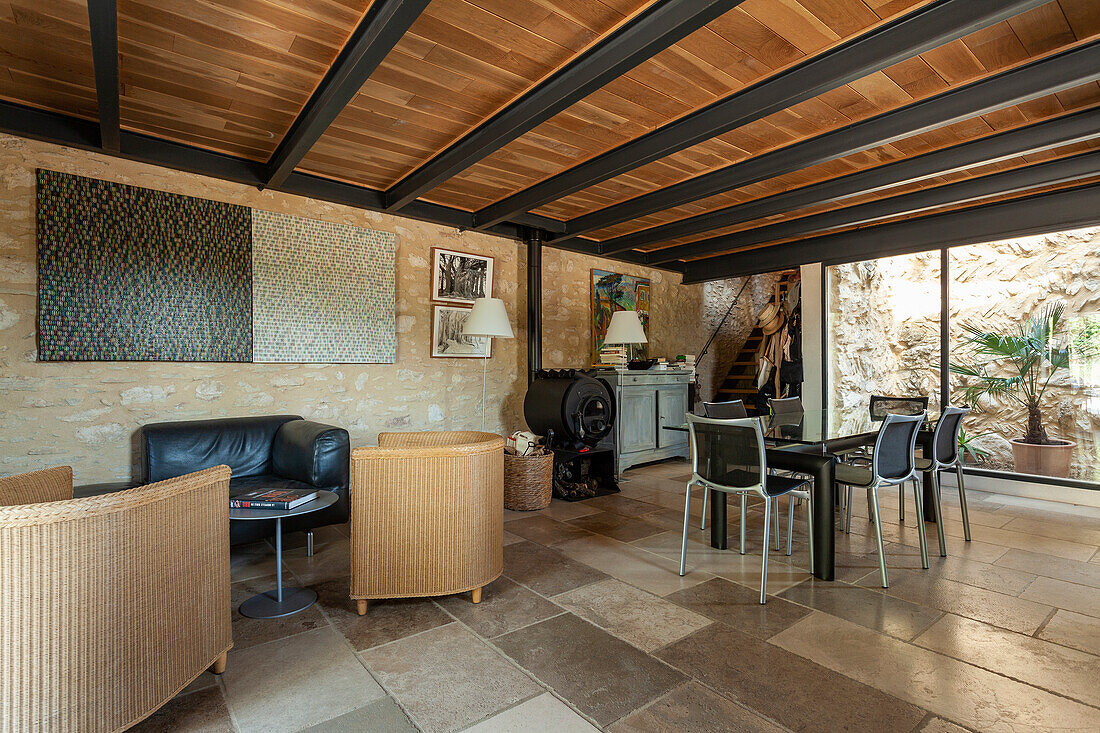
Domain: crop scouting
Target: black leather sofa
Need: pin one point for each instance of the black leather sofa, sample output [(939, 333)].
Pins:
[(276, 451)]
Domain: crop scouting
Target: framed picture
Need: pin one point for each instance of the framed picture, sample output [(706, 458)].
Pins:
[(614, 292), (447, 338), (459, 277)]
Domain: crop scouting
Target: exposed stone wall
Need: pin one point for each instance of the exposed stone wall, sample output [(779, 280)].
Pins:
[(86, 414), (885, 332)]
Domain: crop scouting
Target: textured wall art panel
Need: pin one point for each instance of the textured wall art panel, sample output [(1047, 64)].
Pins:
[(322, 292), (132, 274)]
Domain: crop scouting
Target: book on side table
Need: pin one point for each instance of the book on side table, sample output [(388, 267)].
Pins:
[(273, 499)]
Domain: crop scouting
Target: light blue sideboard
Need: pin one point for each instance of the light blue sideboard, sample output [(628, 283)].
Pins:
[(644, 403)]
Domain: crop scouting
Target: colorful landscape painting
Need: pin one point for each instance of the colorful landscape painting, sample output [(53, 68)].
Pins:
[(612, 292)]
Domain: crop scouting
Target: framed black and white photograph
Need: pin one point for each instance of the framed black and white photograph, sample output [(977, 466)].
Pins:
[(460, 277), (447, 337)]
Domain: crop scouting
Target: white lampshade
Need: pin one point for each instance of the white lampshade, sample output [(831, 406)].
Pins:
[(488, 318), (625, 328)]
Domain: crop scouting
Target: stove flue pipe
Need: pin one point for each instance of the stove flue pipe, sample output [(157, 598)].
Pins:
[(533, 238)]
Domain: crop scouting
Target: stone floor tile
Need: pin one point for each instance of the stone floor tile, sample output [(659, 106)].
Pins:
[(1058, 528), (204, 680), (996, 577), (321, 536), (957, 691), (563, 511), (447, 678), (600, 675), (544, 570), (511, 539), (738, 606), (939, 725), (505, 607), (386, 619), (784, 686), (1073, 571), (296, 682), (1075, 630), (638, 567), (877, 611), (203, 711), (1024, 541), (643, 619), (693, 707), (927, 589), (1068, 672), (330, 561), (251, 631), (380, 715), (1070, 596), (253, 560), (616, 526), (621, 505), (537, 715), (546, 531)]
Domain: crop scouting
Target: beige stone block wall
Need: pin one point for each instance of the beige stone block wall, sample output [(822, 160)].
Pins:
[(86, 414)]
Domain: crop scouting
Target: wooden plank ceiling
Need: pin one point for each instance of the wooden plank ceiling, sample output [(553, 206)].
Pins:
[(231, 76)]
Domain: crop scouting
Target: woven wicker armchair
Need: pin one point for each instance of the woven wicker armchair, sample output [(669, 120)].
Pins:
[(427, 515), (109, 605)]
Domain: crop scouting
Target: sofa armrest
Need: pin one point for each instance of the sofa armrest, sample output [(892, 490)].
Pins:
[(312, 453)]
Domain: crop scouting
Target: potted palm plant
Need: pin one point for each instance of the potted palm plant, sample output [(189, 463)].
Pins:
[(1025, 363)]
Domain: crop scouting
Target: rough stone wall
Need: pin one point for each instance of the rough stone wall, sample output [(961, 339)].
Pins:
[(86, 414), (885, 332)]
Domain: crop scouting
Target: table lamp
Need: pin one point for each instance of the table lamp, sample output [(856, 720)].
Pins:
[(625, 328), (488, 319)]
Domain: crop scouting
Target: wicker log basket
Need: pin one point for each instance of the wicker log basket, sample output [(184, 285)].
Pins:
[(528, 481)]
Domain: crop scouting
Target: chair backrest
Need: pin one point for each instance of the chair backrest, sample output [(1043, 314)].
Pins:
[(881, 406), (728, 453), (895, 446), (725, 410), (945, 443), (788, 406)]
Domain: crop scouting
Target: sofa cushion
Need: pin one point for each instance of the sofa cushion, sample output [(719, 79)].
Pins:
[(244, 444)]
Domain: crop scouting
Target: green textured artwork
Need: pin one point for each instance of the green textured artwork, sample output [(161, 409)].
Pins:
[(132, 274)]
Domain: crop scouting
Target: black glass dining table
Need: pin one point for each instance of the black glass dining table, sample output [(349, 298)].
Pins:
[(806, 443)]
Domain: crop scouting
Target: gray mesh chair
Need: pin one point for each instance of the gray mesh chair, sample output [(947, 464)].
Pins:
[(946, 456), (725, 410), (728, 456), (893, 462), (879, 407)]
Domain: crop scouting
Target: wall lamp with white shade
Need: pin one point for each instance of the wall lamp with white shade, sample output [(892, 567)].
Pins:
[(488, 319)]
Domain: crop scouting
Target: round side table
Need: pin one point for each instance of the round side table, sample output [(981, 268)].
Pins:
[(281, 601)]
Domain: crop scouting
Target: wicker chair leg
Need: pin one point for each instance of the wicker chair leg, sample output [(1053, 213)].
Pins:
[(361, 607), (475, 595), (219, 664)]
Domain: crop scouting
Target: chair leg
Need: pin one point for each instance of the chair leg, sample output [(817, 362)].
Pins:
[(901, 503), (706, 495), (918, 499), (939, 512), (775, 518), (687, 520), (218, 667), (764, 565), (744, 518), (475, 595), (790, 522), (878, 539), (848, 520), (309, 543), (962, 500), (361, 606)]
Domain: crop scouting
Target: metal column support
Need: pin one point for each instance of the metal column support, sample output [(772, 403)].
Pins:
[(533, 238)]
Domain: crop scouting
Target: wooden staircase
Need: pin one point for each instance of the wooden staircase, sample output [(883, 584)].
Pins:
[(740, 382)]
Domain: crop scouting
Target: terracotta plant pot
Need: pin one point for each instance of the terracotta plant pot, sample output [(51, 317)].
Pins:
[(1043, 460)]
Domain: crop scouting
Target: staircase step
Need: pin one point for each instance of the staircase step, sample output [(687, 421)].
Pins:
[(737, 390)]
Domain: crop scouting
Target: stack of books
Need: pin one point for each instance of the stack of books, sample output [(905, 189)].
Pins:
[(284, 499), (613, 356), (686, 361)]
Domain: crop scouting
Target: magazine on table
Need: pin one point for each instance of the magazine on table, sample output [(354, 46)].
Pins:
[(273, 499)]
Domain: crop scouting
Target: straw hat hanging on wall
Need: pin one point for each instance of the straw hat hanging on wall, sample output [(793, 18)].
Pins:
[(771, 318)]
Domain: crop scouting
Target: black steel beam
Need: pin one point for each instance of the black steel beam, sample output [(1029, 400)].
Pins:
[(59, 129), (103, 24), (381, 28), (1073, 168), (912, 34), (659, 26), (1071, 208), (1064, 130), (1061, 71)]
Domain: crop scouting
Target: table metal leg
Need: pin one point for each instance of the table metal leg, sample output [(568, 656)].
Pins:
[(718, 520), (824, 524), (279, 558), (929, 483), (279, 602)]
